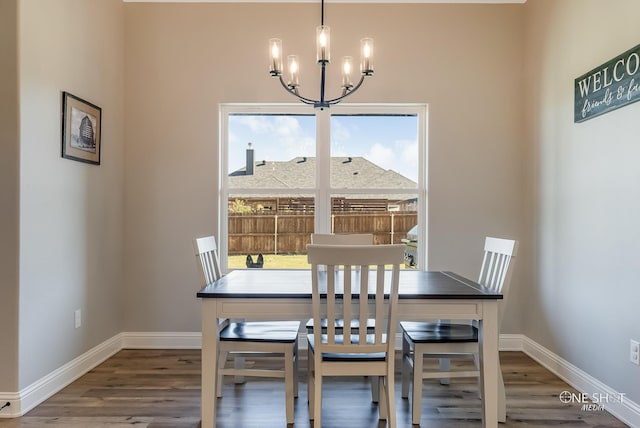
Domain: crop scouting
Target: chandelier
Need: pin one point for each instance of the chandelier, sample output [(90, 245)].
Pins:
[(322, 56)]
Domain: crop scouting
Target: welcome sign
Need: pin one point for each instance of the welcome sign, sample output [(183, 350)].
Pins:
[(614, 84)]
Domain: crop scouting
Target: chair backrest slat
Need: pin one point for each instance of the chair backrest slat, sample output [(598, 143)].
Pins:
[(207, 251), (368, 295), (380, 302), (495, 272), (363, 312), (347, 309), (347, 239), (331, 303)]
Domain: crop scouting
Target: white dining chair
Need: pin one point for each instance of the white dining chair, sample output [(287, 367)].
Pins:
[(341, 239), (252, 338), (443, 339), (346, 239), (345, 286)]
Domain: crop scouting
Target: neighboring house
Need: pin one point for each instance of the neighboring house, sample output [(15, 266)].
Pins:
[(347, 172)]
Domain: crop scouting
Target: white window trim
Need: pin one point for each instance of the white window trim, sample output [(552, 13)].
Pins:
[(323, 190)]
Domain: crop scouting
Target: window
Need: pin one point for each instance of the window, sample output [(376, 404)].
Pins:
[(288, 170)]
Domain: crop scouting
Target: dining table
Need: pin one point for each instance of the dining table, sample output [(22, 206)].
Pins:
[(285, 294)]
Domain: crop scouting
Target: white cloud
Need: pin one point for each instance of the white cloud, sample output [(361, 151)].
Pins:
[(408, 150), (401, 157), (256, 124), (382, 156), (292, 141), (274, 138)]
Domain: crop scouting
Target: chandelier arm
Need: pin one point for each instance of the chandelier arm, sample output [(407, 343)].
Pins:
[(294, 92), (348, 92)]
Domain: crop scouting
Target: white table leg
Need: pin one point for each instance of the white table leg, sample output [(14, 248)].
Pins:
[(489, 362), (209, 362), (502, 398)]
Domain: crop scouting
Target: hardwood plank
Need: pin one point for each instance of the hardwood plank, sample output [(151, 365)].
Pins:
[(161, 389)]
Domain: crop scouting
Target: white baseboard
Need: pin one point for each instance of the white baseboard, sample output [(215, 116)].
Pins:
[(510, 342), (40, 390), (13, 409), (625, 410), (23, 401)]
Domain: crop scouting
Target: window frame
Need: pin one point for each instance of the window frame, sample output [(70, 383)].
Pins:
[(323, 190)]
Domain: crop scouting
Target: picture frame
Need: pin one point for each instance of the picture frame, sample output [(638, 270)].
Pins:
[(81, 129)]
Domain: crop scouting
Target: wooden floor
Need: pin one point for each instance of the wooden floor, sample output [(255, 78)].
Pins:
[(161, 389)]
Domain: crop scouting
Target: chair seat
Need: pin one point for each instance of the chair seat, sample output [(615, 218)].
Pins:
[(239, 339), (254, 331), (339, 324), (326, 356), (443, 339), (434, 332)]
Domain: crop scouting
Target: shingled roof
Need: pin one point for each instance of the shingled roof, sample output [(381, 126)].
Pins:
[(351, 172)]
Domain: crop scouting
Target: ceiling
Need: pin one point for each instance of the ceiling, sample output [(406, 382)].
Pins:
[(327, 1)]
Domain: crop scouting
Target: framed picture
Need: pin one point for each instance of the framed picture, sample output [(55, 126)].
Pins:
[(81, 124)]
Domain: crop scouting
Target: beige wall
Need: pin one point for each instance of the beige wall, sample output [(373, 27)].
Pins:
[(183, 60), (115, 240), (586, 183), (71, 213), (9, 182)]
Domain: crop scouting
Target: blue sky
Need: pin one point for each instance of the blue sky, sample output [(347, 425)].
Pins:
[(388, 141)]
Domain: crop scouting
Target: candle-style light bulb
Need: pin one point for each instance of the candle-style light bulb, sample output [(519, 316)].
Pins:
[(293, 70), (322, 43), (275, 50), (347, 67), (366, 51)]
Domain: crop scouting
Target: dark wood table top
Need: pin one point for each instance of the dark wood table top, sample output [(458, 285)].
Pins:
[(296, 284)]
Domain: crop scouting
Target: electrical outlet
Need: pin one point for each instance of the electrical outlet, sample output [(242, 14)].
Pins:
[(78, 318), (634, 352)]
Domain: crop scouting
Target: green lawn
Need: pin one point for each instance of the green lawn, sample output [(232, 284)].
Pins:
[(272, 261)]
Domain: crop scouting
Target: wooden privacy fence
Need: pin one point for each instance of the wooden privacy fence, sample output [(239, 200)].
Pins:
[(290, 233)]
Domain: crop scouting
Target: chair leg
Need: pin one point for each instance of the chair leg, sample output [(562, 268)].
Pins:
[(222, 359), (445, 366), (296, 373), (476, 362), (239, 364), (416, 397), (502, 405), (383, 404), (502, 399), (310, 385), (317, 399), (375, 389), (406, 367), (390, 398), (289, 384)]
